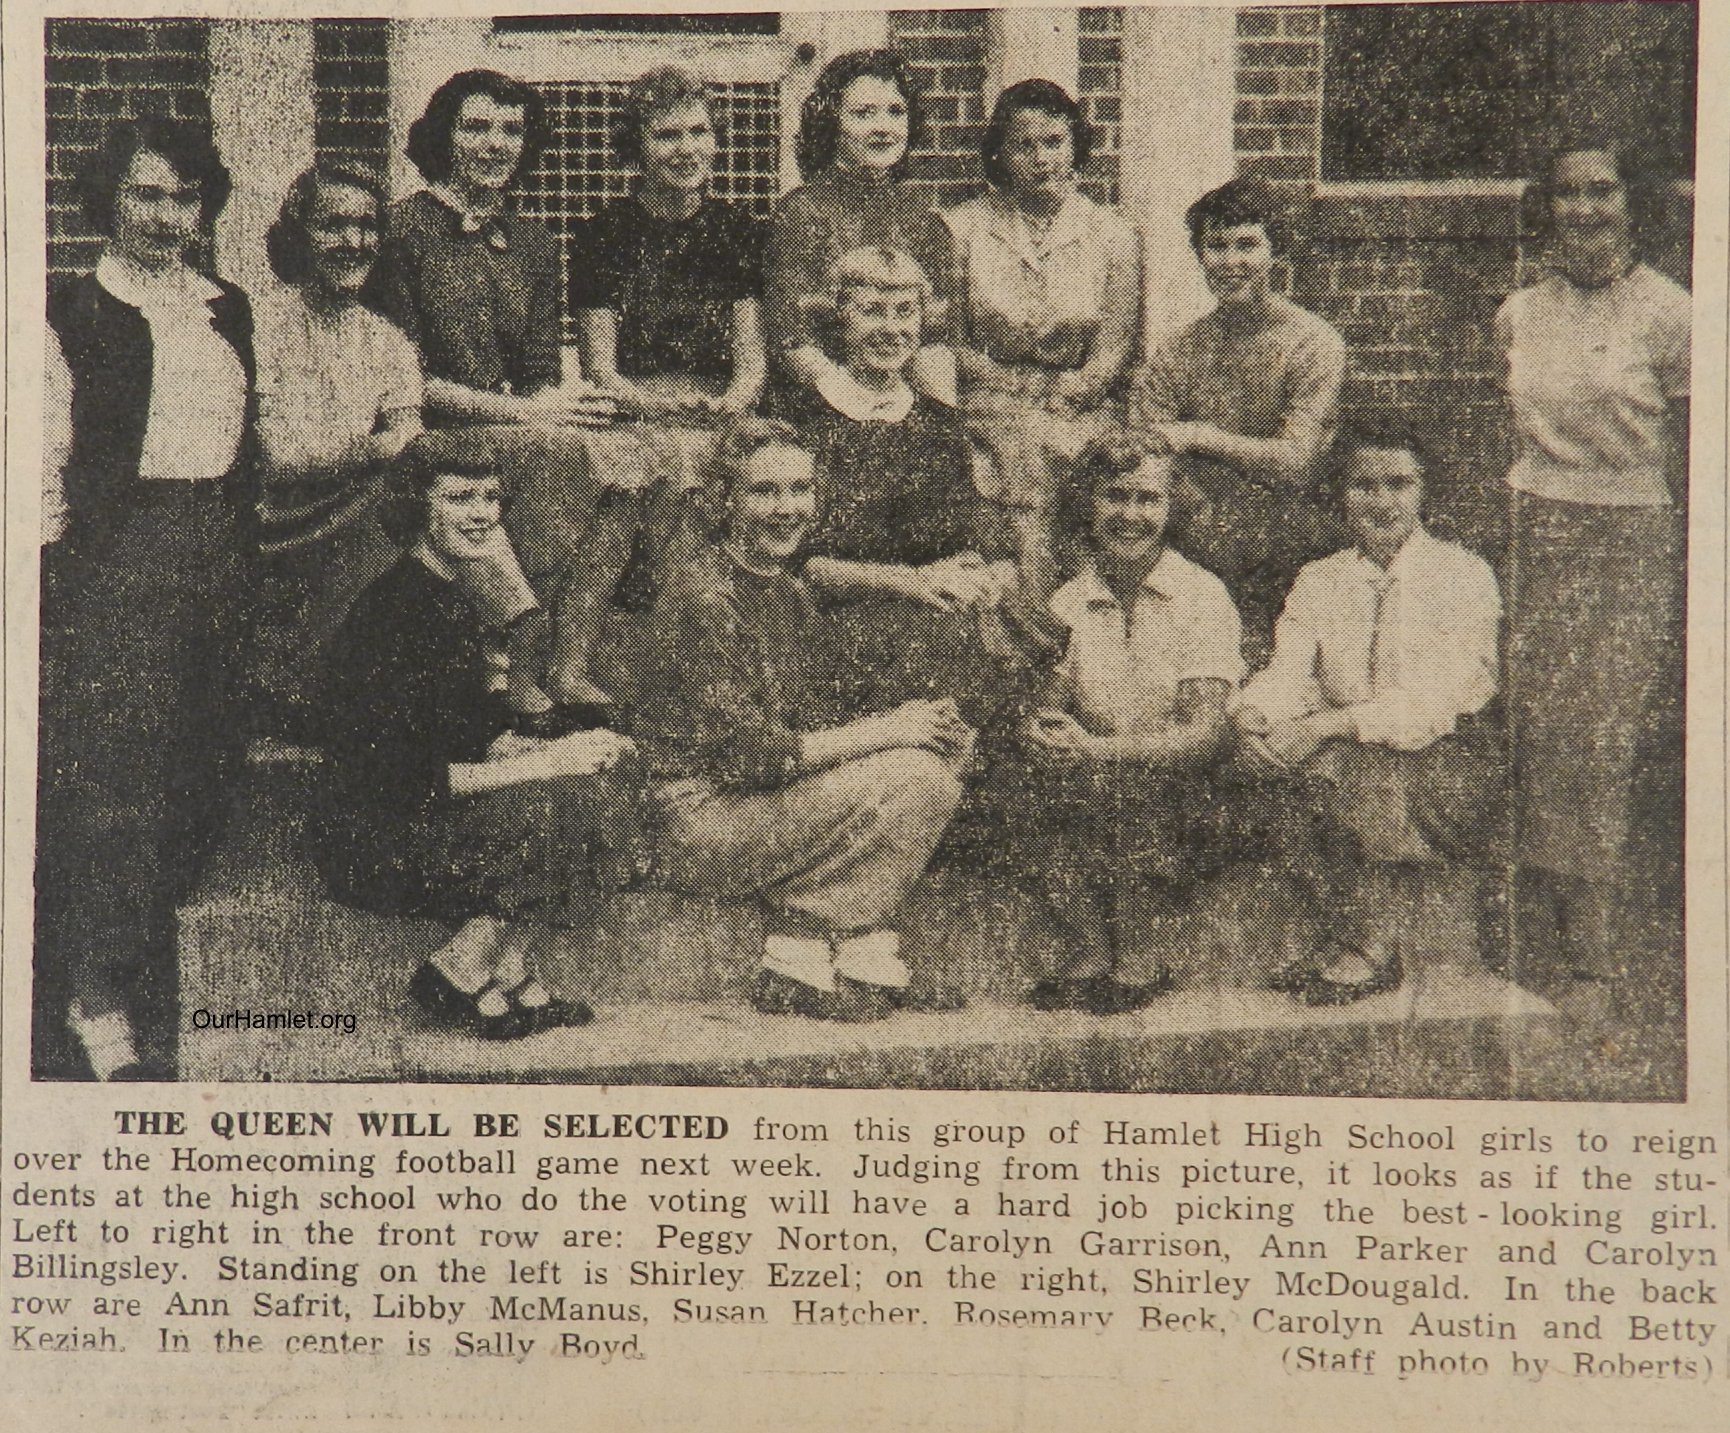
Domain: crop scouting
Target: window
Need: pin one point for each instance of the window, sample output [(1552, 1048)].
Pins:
[(650, 24), (1485, 91)]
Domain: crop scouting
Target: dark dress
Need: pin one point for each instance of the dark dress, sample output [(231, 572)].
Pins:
[(901, 493), (407, 696)]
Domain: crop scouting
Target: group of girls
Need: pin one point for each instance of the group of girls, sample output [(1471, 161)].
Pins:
[(901, 523)]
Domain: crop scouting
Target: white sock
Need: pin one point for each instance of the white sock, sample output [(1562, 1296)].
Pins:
[(802, 958), (106, 1038), (873, 957)]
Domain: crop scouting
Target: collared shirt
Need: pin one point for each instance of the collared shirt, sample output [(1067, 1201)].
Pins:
[(1408, 650), (1591, 376), (1036, 295), (197, 384), (326, 378), (1121, 671), (479, 298)]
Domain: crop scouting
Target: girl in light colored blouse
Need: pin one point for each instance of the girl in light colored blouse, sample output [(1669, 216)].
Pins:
[(1100, 797), (1049, 298), (1598, 383), (1369, 722)]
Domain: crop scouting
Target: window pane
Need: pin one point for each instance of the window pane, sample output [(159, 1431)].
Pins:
[(1485, 91)]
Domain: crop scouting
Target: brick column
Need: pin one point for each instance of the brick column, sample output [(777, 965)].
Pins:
[(1178, 96)]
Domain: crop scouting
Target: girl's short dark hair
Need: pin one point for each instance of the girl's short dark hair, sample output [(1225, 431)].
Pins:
[(738, 441), (664, 88), (1044, 97), (1642, 182), (288, 242), (1242, 201), (820, 119), (1115, 454), (185, 144), (1375, 432), (429, 137), (455, 453)]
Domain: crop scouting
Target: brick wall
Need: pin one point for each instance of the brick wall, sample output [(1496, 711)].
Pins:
[(351, 92), (98, 71), (947, 51), (1413, 282), (1101, 94)]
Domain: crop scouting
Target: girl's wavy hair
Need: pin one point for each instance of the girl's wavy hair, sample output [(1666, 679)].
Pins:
[(1115, 454), (187, 146), (429, 137), (664, 88), (820, 118), (1245, 201), (288, 242), (739, 440), (1642, 183), (1374, 431), (1042, 97)]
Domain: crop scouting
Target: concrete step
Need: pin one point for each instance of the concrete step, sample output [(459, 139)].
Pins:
[(669, 973)]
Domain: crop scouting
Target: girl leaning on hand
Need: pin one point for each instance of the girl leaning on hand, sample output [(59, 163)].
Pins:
[(433, 806)]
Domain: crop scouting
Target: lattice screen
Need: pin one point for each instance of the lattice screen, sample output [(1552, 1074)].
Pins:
[(579, 172)]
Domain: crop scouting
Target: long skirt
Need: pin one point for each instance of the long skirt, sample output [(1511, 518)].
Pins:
[(141, 729), (1594, 657), (541, 851)]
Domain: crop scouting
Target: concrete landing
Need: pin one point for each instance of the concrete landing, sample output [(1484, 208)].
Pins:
[(667, 975)]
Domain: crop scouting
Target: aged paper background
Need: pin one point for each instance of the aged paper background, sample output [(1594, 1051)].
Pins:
[(940, 1376)]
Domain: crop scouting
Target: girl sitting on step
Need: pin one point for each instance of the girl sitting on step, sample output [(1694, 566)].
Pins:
[(432, 805), (766, 785)]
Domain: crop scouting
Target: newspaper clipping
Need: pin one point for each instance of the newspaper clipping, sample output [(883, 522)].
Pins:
[(980, 718)]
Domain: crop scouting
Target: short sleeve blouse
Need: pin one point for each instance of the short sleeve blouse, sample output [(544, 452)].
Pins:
[(672, 283), (1037, 299)]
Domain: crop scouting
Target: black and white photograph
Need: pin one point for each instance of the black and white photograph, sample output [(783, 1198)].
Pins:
[(1126, 550)]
